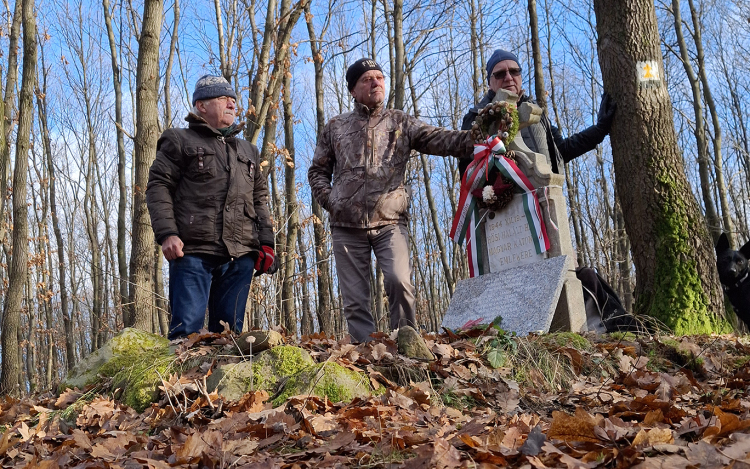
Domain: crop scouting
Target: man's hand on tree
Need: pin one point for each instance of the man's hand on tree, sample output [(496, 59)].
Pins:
[(606, 112), (172, 248)]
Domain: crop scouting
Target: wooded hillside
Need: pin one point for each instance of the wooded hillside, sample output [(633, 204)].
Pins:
[(73, 81)]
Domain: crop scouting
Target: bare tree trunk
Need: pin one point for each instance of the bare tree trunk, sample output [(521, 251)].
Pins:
[(11, 366), (64, 305), (718, 163), (322, 255), (477, 77), (373, 15), (7, 112), (292, 214), (677, 280), (141, 273), (541, 96), (398, 45), (307, 320), (90, 212), (122, 263), (436, 226), (261, 75), (30, 340), (391, 54), (225, 70), (162, 305), (270, 90), (712, 218), (624, 263), (168, 70)]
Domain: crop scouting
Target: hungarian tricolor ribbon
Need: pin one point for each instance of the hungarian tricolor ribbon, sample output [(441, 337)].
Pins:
[(487, 155)]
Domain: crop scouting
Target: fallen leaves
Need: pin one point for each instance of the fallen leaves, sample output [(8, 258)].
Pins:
[(459, 411)]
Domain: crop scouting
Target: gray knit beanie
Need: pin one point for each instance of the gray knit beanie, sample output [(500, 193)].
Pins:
[(498, 56), (209, 86)]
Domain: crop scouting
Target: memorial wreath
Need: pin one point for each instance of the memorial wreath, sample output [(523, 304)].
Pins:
[(491, 179)]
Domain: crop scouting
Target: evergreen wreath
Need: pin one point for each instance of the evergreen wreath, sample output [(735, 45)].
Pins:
[(497, 191)]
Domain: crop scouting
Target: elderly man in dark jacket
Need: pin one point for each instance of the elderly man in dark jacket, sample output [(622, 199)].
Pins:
[(357, 175), (504, 72), (208, 201)]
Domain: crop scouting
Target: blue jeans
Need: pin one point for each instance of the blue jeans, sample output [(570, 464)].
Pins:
[(200, 280)]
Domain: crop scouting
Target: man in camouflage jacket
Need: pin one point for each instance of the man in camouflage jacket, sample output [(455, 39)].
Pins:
[(208, 201), (357, 175)]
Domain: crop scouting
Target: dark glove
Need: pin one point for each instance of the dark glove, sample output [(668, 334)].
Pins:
[(266, 261), (606, 112)]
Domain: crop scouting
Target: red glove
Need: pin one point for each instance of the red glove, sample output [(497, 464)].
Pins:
[(265, 259)]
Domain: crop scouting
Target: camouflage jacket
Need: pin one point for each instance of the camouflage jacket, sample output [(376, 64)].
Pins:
[(209, 190), (357, 172)]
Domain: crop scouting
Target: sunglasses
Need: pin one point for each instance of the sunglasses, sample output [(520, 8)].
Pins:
[(500, 74)]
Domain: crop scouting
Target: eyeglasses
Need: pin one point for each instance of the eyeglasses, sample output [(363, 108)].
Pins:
[(224, 99), (500, 74)]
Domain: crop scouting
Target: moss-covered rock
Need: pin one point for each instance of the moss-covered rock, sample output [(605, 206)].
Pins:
[(252, 342), (135, 360), (292, 369), (411, 344), (328, 379)]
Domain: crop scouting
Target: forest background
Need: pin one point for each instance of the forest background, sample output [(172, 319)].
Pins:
[(109, 77)]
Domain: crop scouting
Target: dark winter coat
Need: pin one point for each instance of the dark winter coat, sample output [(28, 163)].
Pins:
[(209, 190), (358, 169), (543, 138)]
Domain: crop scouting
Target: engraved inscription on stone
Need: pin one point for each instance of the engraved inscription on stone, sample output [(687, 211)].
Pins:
[(509, 241)]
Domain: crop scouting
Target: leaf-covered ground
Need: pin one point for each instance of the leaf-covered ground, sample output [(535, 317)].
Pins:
[(490, 400)]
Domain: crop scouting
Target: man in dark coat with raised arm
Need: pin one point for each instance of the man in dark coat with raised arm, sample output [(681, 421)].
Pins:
[(504, 72)]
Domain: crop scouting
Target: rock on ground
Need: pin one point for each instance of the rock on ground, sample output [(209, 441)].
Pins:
[(136, 360), (286, 371)]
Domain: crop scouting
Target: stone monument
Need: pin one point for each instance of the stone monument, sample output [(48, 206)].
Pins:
[(533, 292)]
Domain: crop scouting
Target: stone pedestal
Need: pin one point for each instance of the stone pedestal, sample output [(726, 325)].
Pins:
[(506, 239)]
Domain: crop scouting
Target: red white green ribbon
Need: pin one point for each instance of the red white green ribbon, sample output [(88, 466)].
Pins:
[(486, 156)]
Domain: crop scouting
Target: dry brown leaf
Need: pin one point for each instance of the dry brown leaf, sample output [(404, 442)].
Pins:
[(81, 439), (572, 428), (420, 393), (239, 447), (380, 352), (323, 425), (513, 438), (706, 454), (653, 417), (8, 440), (399, 400), (67, 398), (653, 437), (445, 455), (199, 443), (645, 380)]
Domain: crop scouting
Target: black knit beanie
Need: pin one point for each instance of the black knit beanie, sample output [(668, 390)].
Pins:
[(357, 69)]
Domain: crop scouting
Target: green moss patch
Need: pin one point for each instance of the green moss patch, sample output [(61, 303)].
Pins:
[(329, 380), (135, 360)]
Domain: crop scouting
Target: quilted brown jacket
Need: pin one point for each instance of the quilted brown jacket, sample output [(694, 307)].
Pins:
[(357, 172), (209, 190)]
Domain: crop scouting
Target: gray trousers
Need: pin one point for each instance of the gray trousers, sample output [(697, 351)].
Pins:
[(352, 248)]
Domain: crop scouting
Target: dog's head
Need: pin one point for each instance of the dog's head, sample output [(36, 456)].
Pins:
[(732, 265)]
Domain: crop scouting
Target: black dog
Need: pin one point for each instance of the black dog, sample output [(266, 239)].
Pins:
[(734, 276)]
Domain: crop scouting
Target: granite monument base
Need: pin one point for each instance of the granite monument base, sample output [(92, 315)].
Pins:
[(541, 297)]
